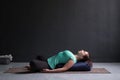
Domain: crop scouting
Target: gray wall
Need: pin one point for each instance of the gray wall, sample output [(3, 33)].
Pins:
[(45, 27)]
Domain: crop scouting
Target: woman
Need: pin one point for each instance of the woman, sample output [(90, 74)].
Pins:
[(66, 57)]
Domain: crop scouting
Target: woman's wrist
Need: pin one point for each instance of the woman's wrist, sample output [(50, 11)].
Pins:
[(53, 70)]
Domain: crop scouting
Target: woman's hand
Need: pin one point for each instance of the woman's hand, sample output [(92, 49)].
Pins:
[(45, 70)]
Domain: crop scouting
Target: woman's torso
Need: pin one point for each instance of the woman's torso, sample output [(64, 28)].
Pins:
[(61, 57)]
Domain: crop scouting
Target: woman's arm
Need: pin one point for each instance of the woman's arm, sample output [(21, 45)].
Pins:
[(67, 66)]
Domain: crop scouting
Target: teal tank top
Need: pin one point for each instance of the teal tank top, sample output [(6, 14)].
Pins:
[(61, 57)]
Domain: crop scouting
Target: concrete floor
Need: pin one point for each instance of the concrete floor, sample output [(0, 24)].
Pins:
[(114, 68)]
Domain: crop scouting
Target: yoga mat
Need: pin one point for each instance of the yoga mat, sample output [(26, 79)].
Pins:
[(93, 71)]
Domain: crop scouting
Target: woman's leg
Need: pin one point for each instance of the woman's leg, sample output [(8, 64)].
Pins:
[(38, 65)]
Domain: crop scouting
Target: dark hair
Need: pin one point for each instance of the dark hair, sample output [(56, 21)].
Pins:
[(86, 59)]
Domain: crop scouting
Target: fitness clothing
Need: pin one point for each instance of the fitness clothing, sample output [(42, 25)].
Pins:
[(61, 57), (41, 63)]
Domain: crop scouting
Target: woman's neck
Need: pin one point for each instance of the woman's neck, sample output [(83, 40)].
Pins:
[(77, 57)]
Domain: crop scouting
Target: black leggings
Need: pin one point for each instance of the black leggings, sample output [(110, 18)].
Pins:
[(38, 64)]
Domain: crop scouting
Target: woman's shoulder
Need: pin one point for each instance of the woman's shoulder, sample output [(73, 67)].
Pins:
[(70, 55), (68, 52)]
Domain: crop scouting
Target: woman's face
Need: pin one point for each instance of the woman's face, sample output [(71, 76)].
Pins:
[(82, 53)]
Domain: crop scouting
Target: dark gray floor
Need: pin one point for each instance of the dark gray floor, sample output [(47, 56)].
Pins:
[(114, 68)]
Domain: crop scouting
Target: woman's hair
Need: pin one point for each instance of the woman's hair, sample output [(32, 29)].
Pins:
[(86, 58)]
